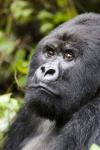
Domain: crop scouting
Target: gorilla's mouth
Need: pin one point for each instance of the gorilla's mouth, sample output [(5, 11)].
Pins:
[(44, 88)]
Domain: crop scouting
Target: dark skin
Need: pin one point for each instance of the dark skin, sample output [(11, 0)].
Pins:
[(62, 101)]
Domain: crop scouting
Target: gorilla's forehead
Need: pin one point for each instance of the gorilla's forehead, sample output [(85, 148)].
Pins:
[(82, 29), (70, 36), (73, 32)]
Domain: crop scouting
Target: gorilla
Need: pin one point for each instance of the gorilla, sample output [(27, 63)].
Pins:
[(62, 100)]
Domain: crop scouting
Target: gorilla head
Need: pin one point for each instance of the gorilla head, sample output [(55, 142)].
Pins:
[(65, 69)]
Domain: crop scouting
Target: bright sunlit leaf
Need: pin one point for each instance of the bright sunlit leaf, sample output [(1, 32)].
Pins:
[(94, 147)]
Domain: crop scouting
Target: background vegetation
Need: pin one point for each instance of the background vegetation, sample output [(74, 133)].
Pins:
[(22, 24)]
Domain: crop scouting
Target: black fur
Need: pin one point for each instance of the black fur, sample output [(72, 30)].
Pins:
[(68, 118)]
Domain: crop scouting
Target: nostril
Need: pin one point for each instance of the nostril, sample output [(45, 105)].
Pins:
[(43, 69), (50, 72)]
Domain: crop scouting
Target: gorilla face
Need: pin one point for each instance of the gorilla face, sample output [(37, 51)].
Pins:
[(64, 71)]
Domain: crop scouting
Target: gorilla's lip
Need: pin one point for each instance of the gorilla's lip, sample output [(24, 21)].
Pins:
[(45, 88)]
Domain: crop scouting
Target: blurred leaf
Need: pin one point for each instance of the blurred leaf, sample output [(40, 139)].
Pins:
[(22, 66), (95, 147), (20, 54), (7, 45), (10, 107), (60, 17), (46, 27), (22, 11), (22, 81), (44, 15), (62, 3), (4, 99)]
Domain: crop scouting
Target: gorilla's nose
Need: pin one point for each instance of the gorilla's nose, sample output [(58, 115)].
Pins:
[(48, 72)]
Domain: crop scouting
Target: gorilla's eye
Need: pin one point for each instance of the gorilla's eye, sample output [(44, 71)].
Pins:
[(68, 55), (50, 52)]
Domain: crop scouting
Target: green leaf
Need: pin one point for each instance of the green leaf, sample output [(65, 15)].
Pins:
[(44, 15), (5, 98), (62, 3), (22, 11), (7, 45), (22, 81), (94, 147), (46, 27), (20, 54), (10, 107), (60, 17), (22, 66)]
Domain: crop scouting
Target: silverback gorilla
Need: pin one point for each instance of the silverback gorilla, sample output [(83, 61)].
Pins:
[(62, 100)]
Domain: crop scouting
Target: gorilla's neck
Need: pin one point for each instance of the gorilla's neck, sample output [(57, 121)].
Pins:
[(64, 114)]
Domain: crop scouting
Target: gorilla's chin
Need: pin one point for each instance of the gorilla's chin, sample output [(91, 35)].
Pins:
[(41, 101)]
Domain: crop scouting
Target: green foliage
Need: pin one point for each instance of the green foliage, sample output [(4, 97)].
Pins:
[(8, 108), (62, 3), (44, 14), (20, 64), (45, 18), (49, 20), (7, 44), (46, 27), (95, 147), (21, 11)]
